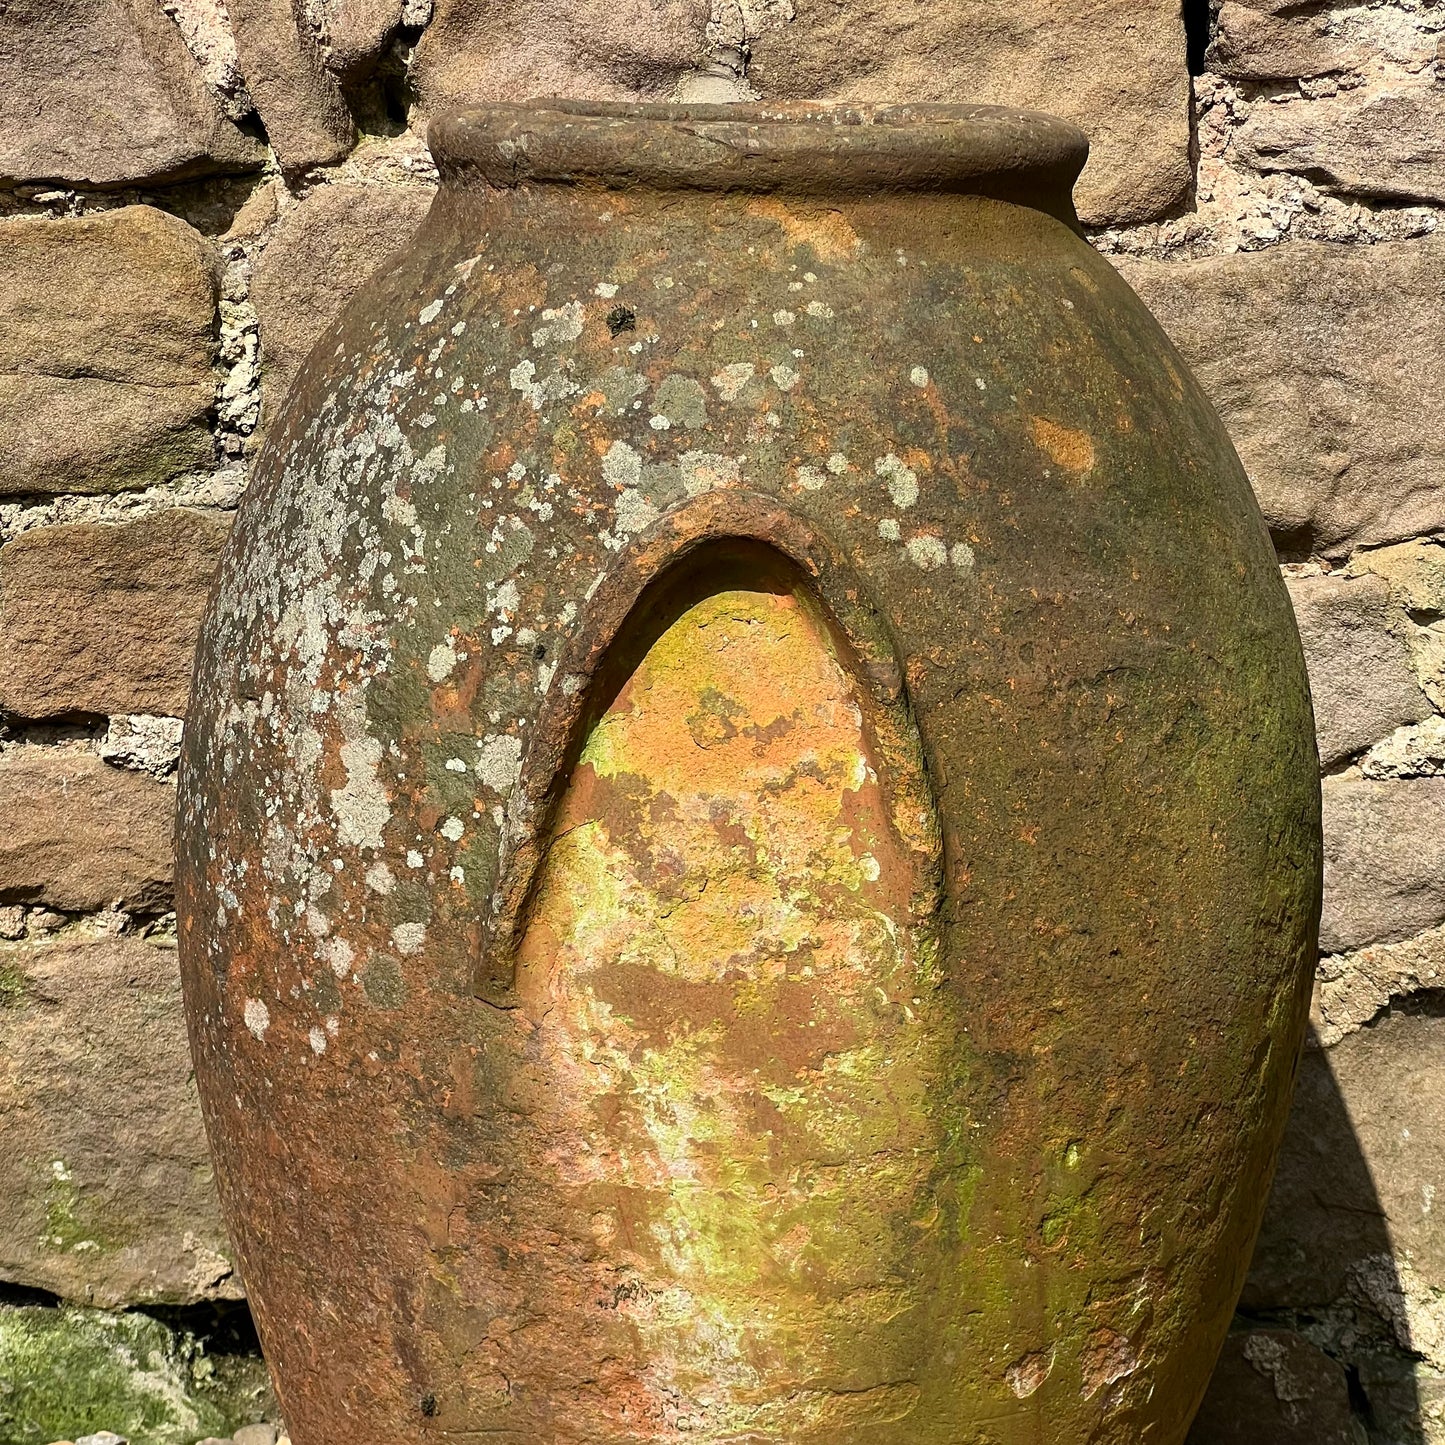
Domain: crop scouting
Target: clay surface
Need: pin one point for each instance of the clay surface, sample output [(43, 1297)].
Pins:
[(422, 816)]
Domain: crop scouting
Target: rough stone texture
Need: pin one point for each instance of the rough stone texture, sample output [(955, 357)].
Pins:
[(71, 1371), (1273, 1387), (357, 32), (103, 619), (1352, 988), (306, 118), (106, 1194), (104, 92), (81, 835), (475, 50), (1415, 572), (1324, 361), (1361, 678), (1252, 44), (1352, 1217), (1409, 752), (317, 258), (1384, 860), (1112, 67), (1388, 146), (106, 327)]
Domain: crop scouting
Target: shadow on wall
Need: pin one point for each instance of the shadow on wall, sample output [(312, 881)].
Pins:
[(1320, 1352)]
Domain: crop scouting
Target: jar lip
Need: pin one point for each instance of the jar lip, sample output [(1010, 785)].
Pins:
[(813, 147)]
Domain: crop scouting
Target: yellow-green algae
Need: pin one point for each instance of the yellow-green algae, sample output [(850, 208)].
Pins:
[(743, 1027), (67, 1372)]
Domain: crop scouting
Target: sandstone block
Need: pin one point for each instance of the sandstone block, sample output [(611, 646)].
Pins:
[(357, 32), (105, 93), (300, 102), (103, 619), (1270, 7), (1352, 1215), (1387, 145), (1324, 362), (1252, 44), (1409, 752), (81, 835), (106, 343), (1360, 672), (1352, 988), (316, 260), (1384, 860), (629, 50), (1117, 68), (1275, 1386), (1416, 574), (106, 1194)]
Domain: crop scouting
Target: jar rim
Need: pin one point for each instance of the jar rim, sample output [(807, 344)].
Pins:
[(803, 147)]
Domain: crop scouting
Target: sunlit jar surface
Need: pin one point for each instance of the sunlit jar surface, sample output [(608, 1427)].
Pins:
[(749, 849)]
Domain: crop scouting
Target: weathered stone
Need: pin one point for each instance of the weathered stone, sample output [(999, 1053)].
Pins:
[(1361, 677), (1270, 7), (136, 740), (255, 1435), (70, 1371), (1415, 572), (1324, 362), (106, 1195), (1253, 44), (1352, 1216), (1409, 752), (1274, 1386), (1429, 651), (1352, 988), (300, 102), (316, 260), (105, 93), (630, 50), (81, 835), (1389, 146), (1116, 68), (106, 326), (1384, 860), (357, 32), (103, 619)]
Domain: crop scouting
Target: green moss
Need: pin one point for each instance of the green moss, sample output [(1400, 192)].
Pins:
[(12, 983), (69, 1223), (66, 1372)]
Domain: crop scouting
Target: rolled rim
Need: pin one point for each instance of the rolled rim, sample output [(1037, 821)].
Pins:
[(807, 147)]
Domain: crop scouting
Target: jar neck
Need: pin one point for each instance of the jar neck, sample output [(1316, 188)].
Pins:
[(807, 153)]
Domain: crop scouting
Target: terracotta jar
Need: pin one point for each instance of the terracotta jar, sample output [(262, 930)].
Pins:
[(750, 839)]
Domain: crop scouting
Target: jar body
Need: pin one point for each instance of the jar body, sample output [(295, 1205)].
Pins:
[(978, 453)]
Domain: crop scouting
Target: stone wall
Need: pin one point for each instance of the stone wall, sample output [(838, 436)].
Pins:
[(190, 189)]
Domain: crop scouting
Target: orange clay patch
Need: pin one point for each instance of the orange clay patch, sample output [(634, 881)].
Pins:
[(1072, 450), (826, 231)]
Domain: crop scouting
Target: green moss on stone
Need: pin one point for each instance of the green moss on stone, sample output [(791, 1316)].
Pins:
[(12, 983), (67, 1372)]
